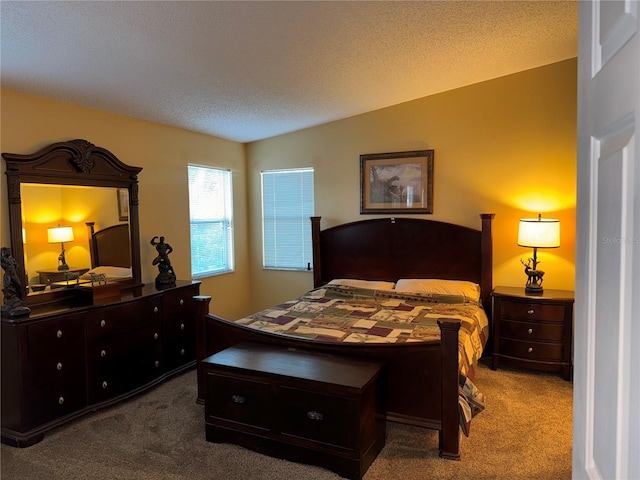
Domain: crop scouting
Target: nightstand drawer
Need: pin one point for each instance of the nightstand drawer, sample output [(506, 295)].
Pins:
[(532, 311), (531, 330), (531, 350)]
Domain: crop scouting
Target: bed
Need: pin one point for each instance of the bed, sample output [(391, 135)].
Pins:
[(110, 250), (423, 382)]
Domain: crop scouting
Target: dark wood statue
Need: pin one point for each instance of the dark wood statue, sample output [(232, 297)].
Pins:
[(166, 276), (14, 305), (534, 276)]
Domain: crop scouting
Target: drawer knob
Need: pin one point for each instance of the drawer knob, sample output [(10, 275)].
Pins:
[(157, 363), (59, 366), (530, 311), (182, 326), (155, 336), (61, 400), (59, 334), (155, 309), (182, 352), (530, 331), (181, 302), (312, 415), (103, 353), (239, 399), (530, 349), (104, 385), (103, 323)]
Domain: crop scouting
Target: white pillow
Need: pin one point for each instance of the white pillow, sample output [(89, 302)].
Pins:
[(369, 284), (111, 272), (435, 285)]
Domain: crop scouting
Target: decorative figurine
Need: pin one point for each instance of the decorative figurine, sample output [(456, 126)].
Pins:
[(14, 305), (166, 276), (534, 276)]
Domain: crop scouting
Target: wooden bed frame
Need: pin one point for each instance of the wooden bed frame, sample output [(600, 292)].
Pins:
[(421, 379), (109, 246)]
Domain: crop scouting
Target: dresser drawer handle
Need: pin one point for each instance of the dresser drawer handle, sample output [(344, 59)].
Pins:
[(530, 311), (311, 415), (181, 302), (59, 334), (103, 323), (183, 352), (155, 309), (530, 349), (104, 385), (103, 353), (157, 363), (239, 399), (182, 326), (155, 336), (59, 366), (530, 331), (61, 400)]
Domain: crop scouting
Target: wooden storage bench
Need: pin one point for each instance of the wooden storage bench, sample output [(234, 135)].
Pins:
[(307, 407)]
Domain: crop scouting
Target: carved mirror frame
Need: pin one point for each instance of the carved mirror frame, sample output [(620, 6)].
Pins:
[(74, 162)]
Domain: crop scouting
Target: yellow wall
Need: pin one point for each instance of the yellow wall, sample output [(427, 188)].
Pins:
[(30, 123), (505, 146)]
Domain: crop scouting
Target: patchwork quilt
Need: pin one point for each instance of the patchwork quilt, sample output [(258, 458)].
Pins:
[(339, 313)]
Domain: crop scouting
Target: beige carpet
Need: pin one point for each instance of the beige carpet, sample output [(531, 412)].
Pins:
[(525, 433)]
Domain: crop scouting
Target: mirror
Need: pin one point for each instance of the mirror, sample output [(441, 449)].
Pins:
[(48, 206), (69, 184)]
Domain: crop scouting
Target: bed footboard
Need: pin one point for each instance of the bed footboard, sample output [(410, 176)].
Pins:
[(421, 380)]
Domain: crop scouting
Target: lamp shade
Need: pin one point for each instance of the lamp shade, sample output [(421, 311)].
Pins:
[(539, 232), (60, 234)]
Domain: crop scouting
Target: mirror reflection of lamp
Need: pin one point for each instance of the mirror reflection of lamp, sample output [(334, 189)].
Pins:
[(537, 233), (60, 235)]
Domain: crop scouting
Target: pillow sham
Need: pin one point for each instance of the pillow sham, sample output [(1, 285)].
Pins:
[(369, 284), (436, 285), (110, 272)]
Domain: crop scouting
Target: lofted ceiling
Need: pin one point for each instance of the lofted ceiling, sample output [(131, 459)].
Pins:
[(249, 70)]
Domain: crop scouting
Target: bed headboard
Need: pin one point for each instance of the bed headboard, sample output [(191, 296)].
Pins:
[(393, 248), (110, 246)]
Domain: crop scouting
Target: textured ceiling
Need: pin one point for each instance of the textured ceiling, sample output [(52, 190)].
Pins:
[(250, 70)]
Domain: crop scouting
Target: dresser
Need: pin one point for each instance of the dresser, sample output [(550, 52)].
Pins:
[(307, 407), (62, 362), (533, 331)]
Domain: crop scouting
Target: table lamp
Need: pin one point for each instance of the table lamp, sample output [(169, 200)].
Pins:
[(60, 235), (537, 233)]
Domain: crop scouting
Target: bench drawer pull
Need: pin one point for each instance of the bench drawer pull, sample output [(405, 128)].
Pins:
[(314, 415), (237, 399)]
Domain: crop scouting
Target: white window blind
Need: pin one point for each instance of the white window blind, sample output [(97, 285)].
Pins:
[(211, 219), (287, 204)]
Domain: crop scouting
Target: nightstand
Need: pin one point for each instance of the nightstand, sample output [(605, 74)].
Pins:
[(53, 275), (533, 331)]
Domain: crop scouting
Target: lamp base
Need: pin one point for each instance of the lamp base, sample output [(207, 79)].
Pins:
[(63, 267)]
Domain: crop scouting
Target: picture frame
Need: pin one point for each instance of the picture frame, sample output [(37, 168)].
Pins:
[(398, 182), (123, 204)]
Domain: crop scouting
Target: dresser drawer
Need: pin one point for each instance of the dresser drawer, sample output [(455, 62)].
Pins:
[(47, 340), (531, 350), (531, 330), (327, 419), (532, 311), (123, 318), (241, 401), (50, 403)]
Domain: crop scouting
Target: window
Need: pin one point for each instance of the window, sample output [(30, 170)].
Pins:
[(287, 204), (211, 219)]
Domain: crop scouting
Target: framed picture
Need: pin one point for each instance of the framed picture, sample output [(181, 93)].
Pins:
[(123, 204), (400, 182)]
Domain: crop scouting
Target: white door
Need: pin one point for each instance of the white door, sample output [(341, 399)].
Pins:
[(607, 325)]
